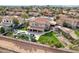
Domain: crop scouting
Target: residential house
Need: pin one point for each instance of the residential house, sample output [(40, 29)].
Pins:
[(72, 22), (47, 12), (10, 13), (18, 13), (6, 22), (68, 33), (39, 24), (35, 14)]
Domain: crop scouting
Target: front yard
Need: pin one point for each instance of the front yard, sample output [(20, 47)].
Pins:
[(50, 39)]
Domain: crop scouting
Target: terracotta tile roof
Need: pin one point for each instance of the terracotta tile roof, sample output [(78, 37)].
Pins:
[(66, 18), (38, 28), (40, 20)]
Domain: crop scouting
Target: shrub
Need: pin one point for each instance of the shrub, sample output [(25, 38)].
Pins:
[(2, 30)]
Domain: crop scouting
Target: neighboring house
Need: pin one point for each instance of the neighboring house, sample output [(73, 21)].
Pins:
[(74, 23), (47, 12), (39, 24), (18, 13), (65, 12), (10, 13), (71, 22), (68, 33), (6, 22), (35, 14)]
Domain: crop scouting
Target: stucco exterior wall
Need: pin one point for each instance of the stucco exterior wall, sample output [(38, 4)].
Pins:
[(26, 47)]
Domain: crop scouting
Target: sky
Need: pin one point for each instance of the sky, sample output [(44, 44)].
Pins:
[(38, 2)]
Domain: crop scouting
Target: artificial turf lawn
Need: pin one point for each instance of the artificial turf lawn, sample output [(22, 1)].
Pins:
[(50, 39)]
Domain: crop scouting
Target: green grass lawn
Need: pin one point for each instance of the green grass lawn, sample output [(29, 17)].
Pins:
[(77, 32), (50, 39)]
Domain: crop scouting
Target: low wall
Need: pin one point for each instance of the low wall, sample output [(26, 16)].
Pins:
[(25, 46)]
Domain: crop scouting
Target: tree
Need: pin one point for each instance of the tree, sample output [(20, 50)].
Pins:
[(2, 30), (26, 23), (15, 21), (9, 33), (0, 19), (67, 10), (22, 36), (32, 36), (24, 15), (57, 17)]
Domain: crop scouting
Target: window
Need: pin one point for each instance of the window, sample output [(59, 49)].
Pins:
[(6, 20), (36, 24), (33, 24)]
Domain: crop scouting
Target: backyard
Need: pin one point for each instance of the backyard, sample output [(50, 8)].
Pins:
[(50, 39), (77, 32)]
